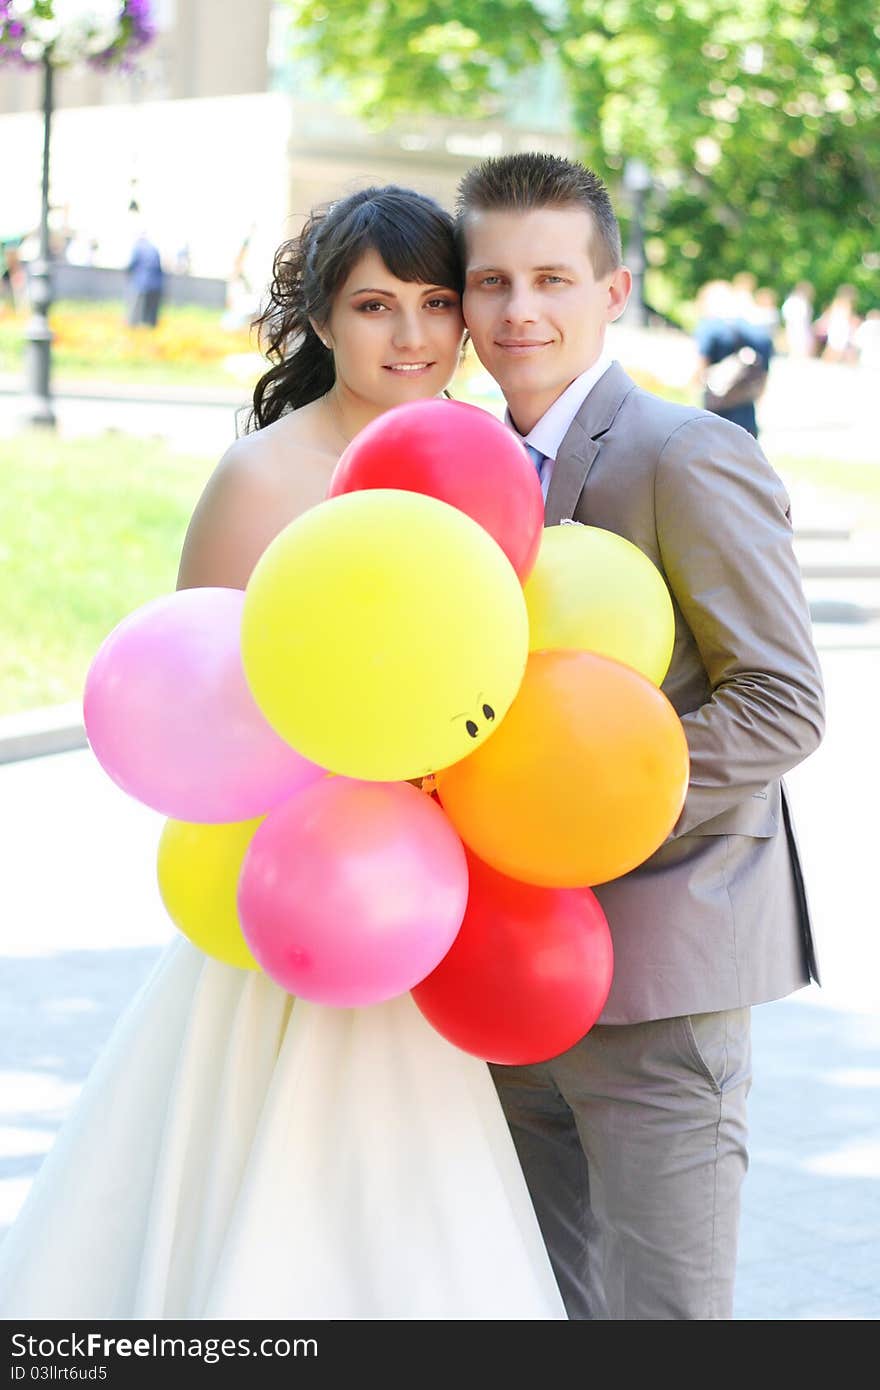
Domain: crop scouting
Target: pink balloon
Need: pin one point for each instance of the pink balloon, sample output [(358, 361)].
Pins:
[(352, 892), (171, 719)]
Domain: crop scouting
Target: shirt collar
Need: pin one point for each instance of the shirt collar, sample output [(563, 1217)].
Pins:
[(547, 435)]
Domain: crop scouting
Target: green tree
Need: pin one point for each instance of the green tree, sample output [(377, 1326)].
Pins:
[(759, 119)]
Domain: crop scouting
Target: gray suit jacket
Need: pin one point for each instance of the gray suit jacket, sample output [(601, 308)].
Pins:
[(717, 918)]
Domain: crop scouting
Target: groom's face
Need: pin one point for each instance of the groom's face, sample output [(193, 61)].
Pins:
[(535, 308)]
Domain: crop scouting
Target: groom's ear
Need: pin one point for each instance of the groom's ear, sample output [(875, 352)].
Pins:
[(619, 290)]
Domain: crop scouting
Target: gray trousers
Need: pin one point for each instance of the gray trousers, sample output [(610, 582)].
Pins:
[(633, 1145)]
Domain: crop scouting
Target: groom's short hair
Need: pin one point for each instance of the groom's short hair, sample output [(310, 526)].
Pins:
[(521, 182)]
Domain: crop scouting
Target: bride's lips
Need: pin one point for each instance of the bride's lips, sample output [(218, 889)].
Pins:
[(408, 369)]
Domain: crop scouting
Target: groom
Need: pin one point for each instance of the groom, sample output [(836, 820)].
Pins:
[(633, 1142)]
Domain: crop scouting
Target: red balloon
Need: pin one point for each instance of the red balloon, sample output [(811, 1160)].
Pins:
[(459, 454), (527, 975)]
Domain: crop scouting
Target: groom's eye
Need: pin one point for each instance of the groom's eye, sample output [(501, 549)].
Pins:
[(472, 728), (488, 712)]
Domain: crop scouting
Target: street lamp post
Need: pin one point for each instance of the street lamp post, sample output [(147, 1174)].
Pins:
[(105, 33), (38, 334), (637, 182)]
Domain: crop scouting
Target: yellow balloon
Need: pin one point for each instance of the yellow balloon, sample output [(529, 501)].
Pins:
[(591, 590), (198, 870), (384, 634)]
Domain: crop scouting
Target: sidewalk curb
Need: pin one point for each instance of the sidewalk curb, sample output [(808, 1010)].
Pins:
[(131, 393), (38, 732)]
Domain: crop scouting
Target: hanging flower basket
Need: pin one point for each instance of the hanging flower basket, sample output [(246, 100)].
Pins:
[(104, 33)]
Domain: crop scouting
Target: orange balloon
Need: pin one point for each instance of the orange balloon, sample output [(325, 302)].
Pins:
[(582, 781)]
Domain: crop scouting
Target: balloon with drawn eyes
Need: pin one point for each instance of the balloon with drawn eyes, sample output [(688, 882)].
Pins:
[(384, 634), (583, 781)]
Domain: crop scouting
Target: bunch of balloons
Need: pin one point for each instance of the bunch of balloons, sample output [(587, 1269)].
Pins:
[(419, 623)]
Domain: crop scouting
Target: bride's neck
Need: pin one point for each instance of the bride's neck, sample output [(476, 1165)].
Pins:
[(349, 413)]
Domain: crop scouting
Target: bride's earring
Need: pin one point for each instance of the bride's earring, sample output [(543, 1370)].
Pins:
[(320, 336)]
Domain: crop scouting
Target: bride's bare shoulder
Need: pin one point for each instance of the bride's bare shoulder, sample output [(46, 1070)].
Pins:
[(289, 454), (262, 482)]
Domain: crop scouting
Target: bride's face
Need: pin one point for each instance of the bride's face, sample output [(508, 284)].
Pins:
[(393, 340)]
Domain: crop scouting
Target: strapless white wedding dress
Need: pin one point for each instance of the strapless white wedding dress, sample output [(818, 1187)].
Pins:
[(239, 1154)]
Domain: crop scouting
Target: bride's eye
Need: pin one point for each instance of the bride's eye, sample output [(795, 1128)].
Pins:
[(472, 728), (488, 712)]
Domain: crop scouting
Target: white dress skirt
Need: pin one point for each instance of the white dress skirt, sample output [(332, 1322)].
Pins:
[(236, 1153)]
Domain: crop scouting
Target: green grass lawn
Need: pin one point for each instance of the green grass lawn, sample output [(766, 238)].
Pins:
[(850, 489), (858, 481), (89, 530), (92, 528)]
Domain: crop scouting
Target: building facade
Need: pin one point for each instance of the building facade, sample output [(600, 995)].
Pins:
[(218, 144)]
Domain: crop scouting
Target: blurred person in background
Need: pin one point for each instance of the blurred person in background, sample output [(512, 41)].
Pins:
[(867, 339), (242, 295), (744, 287), (13, 275), (797, 321), (765, 311), (734, 355), (836, 326), (146, 281)]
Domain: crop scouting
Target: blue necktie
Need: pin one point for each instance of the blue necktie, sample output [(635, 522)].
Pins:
[(537, 458)]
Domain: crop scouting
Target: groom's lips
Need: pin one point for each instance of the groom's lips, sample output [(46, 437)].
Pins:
[(521, 347)]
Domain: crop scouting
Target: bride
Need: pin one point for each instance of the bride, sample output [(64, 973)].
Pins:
[(237, 1153)]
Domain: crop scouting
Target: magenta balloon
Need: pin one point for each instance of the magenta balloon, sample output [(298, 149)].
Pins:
[(171, 719), (352, 892)]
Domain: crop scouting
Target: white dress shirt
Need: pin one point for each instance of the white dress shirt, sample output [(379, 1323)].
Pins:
[(547, 435)]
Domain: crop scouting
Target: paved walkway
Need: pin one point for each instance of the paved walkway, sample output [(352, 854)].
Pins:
[(199, 424)]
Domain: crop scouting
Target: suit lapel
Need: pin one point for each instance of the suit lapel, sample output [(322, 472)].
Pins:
[(581, 444), (573, 463)]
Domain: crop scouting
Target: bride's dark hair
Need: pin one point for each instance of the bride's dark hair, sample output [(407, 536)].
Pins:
[(414, 236)]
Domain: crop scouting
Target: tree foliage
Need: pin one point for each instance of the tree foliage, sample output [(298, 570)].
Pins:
[(759, 119)]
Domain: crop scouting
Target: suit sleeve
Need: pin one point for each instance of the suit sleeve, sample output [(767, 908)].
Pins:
[(725, 536)]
